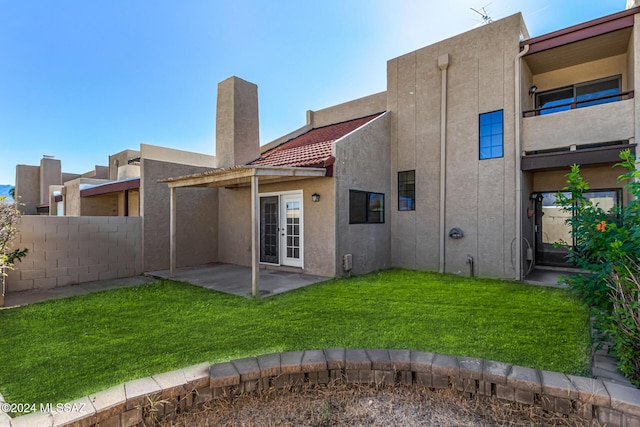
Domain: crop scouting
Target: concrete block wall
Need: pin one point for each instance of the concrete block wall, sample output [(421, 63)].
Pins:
[(69, 250), (143, 401)]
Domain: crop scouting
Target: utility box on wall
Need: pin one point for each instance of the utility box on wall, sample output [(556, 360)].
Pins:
[(347, 262)]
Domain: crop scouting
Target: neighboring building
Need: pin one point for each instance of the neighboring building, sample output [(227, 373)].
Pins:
[(33, 182), (127, 187)]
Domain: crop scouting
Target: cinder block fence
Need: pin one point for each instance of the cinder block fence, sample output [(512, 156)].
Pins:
[(128, 404), (69, 250)]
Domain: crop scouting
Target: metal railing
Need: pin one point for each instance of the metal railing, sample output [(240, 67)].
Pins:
[(577, 104)]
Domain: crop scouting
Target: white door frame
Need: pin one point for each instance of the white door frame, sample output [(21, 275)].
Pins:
[(283, 196)]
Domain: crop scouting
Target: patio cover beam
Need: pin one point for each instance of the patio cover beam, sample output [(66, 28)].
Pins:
[(241, 175), (236, 176)]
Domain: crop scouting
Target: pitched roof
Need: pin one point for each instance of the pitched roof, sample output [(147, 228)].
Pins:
[(311, 149)]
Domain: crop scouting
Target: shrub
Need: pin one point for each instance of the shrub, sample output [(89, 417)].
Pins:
[(9, 217), (607, 245)]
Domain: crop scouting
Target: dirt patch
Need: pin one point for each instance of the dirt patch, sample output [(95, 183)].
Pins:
[(341, 404)]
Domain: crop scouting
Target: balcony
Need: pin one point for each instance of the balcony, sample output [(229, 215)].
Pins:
[(579, 123)]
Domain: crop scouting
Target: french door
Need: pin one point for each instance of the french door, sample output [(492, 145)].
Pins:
[(281, 232)]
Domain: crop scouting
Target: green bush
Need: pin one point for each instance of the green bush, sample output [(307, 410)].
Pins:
[(607, 245)]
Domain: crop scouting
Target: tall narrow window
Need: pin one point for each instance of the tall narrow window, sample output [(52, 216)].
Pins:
[(491, 135), (407, 190)]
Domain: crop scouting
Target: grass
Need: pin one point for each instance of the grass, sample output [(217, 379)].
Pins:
[(63, 349)]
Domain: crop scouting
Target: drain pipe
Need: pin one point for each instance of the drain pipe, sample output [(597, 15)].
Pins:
[(443, 64), (518, 162)]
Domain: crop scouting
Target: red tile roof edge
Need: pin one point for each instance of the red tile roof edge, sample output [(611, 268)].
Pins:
[(322, 162)]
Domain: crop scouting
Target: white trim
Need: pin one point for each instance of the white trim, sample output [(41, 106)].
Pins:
[(300, 196), (280, 194)]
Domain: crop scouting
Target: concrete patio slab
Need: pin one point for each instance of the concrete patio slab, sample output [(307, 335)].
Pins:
[(13, 299), (236, 279)]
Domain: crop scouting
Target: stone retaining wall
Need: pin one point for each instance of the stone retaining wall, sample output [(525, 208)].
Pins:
[(128, 404)]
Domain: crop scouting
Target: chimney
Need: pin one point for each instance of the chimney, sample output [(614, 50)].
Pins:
[(50, 174), (632, 3), (237, 134)]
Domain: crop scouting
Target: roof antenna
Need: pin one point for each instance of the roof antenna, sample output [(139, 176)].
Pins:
[(486, 19)]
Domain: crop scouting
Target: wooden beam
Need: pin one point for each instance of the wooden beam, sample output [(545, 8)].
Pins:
[(242, 176)]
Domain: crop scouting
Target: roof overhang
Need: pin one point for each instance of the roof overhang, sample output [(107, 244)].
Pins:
[(582, 43), (111, 187), (240, 176), (591, 156)]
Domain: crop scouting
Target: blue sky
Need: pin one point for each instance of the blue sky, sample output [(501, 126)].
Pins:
[(84, 79)]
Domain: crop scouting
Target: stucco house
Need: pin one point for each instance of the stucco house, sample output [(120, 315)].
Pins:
[(454, 168)]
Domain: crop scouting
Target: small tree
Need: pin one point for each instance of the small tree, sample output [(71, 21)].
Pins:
[(9, 217), (607, 246)]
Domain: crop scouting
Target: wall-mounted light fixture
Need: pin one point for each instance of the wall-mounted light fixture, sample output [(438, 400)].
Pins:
[(533, 90), (315, 197)]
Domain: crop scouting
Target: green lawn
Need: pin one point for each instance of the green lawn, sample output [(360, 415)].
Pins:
[(60, 350)]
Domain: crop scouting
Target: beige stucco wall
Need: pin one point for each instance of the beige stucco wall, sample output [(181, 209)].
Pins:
[(480, 194), (599, 178), (100, 205), (50, 174), (128, 171), (171, 155), (74, 205), (134, 202), (196, 217), (355, 109), (593, 70), (592, 125), (234, 233), (237, 123), (28, 188), (120, 159), (69, 250), (70, 176), (362, 163)]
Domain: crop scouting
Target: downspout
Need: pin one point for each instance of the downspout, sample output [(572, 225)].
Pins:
[(518, 167), (443, 64)]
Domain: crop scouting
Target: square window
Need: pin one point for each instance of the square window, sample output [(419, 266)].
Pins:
[(366, 207), (491, 135), (407, 190)]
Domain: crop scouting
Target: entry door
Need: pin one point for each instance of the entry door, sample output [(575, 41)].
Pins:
[(281, 229), (291, 230)]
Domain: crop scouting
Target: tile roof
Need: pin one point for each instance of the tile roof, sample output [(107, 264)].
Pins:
[(312, 149)]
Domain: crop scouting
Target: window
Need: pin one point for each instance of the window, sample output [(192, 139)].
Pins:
[(366, 207), (407, 190), (578, 95), (491, 133)]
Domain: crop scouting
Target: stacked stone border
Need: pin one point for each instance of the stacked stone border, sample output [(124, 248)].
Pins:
[(165, 395)]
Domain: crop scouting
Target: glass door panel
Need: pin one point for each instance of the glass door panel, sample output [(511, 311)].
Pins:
[(551, 228), (269, 225), (291, 233)]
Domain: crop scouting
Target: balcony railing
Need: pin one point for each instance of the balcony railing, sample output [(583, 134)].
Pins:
[(580, 104)]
